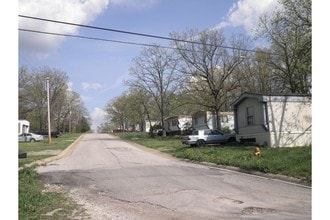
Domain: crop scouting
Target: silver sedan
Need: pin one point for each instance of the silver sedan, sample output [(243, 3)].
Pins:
[(29, 137), (207, 136)]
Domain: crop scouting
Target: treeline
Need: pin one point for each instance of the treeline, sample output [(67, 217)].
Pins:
[(204, 70), (67, 110)]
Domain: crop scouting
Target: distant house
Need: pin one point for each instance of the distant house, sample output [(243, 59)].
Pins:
[(207, 120), (148, 124), (204, 120), (23, 126), (227, 120), (178, 124), (273, 120)]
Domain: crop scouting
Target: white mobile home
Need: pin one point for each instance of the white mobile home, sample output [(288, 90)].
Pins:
[(273, 120), (178, 124), (227, 120), (148, 124), (207, 120), (204, 120), (23, 126)]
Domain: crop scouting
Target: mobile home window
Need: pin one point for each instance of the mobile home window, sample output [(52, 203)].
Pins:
[(249, 115), (224, 119)]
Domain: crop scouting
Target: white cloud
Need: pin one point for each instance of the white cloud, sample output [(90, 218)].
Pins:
[(88, 86), (246, 13), (75, 11), (98, 117)]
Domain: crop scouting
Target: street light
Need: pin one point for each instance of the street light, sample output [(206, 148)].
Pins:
[(48, 108)]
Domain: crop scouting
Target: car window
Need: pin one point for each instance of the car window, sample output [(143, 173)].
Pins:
[(216, 132), (195, 132), (207, 132)]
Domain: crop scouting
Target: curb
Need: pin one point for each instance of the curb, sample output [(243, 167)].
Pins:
[(66, 152), (279, 177)]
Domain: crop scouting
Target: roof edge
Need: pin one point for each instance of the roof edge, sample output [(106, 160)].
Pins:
[(267, 96)]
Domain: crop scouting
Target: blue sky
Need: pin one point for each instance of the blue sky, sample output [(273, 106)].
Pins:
[(96, 69)]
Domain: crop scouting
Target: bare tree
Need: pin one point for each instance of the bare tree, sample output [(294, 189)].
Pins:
[(154, 72), (118, 112), (257, 76), (33, 99), (211, 65), (130, 109), (141, 107), (72, 112), (24, 99), (58, 85), (289, 32)]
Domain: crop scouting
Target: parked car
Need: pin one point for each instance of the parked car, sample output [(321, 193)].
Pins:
[(29, 137), (54, 134), (158, 132), (208, 136)]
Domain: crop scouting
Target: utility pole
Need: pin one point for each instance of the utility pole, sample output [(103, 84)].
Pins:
[(70, 120), (48, 107)]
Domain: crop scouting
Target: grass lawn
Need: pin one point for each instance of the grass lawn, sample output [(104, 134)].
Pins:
[(38, 202), (35, 200), (42, 149), (294, 161)]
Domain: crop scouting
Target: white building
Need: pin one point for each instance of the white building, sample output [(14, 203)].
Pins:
[(148, 124), (23, 126), (178, 124), (274, 120), (207, 120)]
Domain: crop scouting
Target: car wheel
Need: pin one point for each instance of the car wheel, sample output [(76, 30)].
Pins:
[(32, 140), (200, 143), (231, 140)]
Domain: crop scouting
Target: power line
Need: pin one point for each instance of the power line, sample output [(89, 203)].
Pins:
[(115, 41), (88, 38), (139, 34)]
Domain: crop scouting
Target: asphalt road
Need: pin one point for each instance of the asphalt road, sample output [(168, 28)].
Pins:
[(114, 179)]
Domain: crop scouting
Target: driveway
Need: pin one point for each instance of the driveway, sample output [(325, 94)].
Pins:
[(114, 179)]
